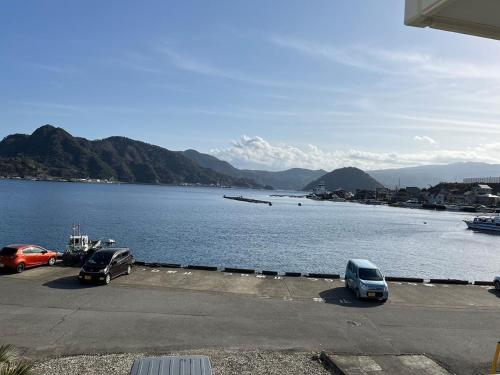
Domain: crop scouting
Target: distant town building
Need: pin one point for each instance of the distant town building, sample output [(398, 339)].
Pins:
[(482, 180), (319, 190)]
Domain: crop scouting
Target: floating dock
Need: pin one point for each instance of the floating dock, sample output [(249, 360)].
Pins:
[(249, 200)]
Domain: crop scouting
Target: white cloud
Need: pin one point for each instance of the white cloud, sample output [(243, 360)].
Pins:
[(424, 139), (257, 153)]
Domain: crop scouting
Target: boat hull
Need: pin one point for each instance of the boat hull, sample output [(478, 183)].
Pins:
[(483, 227)]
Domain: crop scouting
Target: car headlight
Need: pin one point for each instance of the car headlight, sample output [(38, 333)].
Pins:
[(105, 270)]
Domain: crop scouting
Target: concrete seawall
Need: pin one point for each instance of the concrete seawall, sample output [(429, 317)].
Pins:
[(250, 271)]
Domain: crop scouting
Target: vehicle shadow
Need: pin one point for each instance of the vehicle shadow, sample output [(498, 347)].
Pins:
[(343, 297), (494, 292), (68, 282)]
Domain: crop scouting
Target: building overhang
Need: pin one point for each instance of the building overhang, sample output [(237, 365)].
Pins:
[(473, 17)]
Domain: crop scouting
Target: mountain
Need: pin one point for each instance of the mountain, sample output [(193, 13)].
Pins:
[(426, 175), (51, 151), (290, 179), (209, 161), (349, 179)]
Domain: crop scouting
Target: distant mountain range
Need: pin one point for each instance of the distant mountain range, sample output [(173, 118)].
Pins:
[(426, 175), (53, 152), (349, 179), (290, 179)]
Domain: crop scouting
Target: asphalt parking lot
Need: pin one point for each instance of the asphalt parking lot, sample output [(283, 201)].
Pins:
[(48, 313)]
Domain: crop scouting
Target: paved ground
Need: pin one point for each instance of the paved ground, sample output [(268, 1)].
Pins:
[(386, 364), (47, 312)]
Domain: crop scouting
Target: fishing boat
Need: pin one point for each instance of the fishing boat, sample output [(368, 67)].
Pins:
[(79, 247), (484, 223)]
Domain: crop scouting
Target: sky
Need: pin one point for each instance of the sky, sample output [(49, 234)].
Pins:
[(261, 84)]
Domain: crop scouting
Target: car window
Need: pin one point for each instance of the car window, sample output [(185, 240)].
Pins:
[(100, 258), (36, 250), (370, 274), (8, 251), (28, 251)]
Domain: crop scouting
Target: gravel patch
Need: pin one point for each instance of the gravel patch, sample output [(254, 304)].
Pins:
[(223, 363)]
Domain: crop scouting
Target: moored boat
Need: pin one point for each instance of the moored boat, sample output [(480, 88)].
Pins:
[(484, 223)]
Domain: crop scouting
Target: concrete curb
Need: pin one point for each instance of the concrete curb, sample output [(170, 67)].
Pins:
[(170, 265), (448, 281), (202, 268), (269, 273), (404, 279), (329, 364), (323, 275), (238, 270), (484, 283), (309, 275), (154, 265)]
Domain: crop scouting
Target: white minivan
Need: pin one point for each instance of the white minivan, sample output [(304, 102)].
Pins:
[(366, 280)]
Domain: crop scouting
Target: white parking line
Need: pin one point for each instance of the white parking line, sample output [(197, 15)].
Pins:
[(429, 284), (260, 276), (329, 280), (277, 277), (414, 284), (344, 301), (188, 273), (318, 299), (244, 275), (171, 271), (312, 279), (228, 274), (155, 271)]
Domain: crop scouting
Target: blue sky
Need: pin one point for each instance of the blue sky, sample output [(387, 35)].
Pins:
[(267, 84)]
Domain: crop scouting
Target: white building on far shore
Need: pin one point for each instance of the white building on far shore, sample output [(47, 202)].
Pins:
[(482, 180)]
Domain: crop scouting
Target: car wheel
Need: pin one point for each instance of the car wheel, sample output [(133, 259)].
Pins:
[(129, 269), (52, 261), (107, 279), (497, 285), (20, 268), (358, 295)]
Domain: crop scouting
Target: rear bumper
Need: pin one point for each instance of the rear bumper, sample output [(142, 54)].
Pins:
[(91, 277), (8, 265)]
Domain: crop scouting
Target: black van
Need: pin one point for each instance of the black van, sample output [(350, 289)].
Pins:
[(106, 264)]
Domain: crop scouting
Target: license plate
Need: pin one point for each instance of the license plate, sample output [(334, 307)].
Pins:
[(88, 277), (371, 294)]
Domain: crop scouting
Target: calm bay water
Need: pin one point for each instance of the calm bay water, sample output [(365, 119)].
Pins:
[(197, 226)]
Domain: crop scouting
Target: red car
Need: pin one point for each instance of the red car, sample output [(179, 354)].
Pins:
[(19, 257)]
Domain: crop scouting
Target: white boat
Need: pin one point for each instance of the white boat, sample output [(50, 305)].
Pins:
[(484, 223), (80, 242), (411, 203)]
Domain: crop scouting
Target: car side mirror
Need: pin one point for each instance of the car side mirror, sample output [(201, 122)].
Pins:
[(44, 251)]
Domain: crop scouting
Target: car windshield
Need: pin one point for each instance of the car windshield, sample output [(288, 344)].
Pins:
[(370, 274), (7, 251), (100, 258)]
